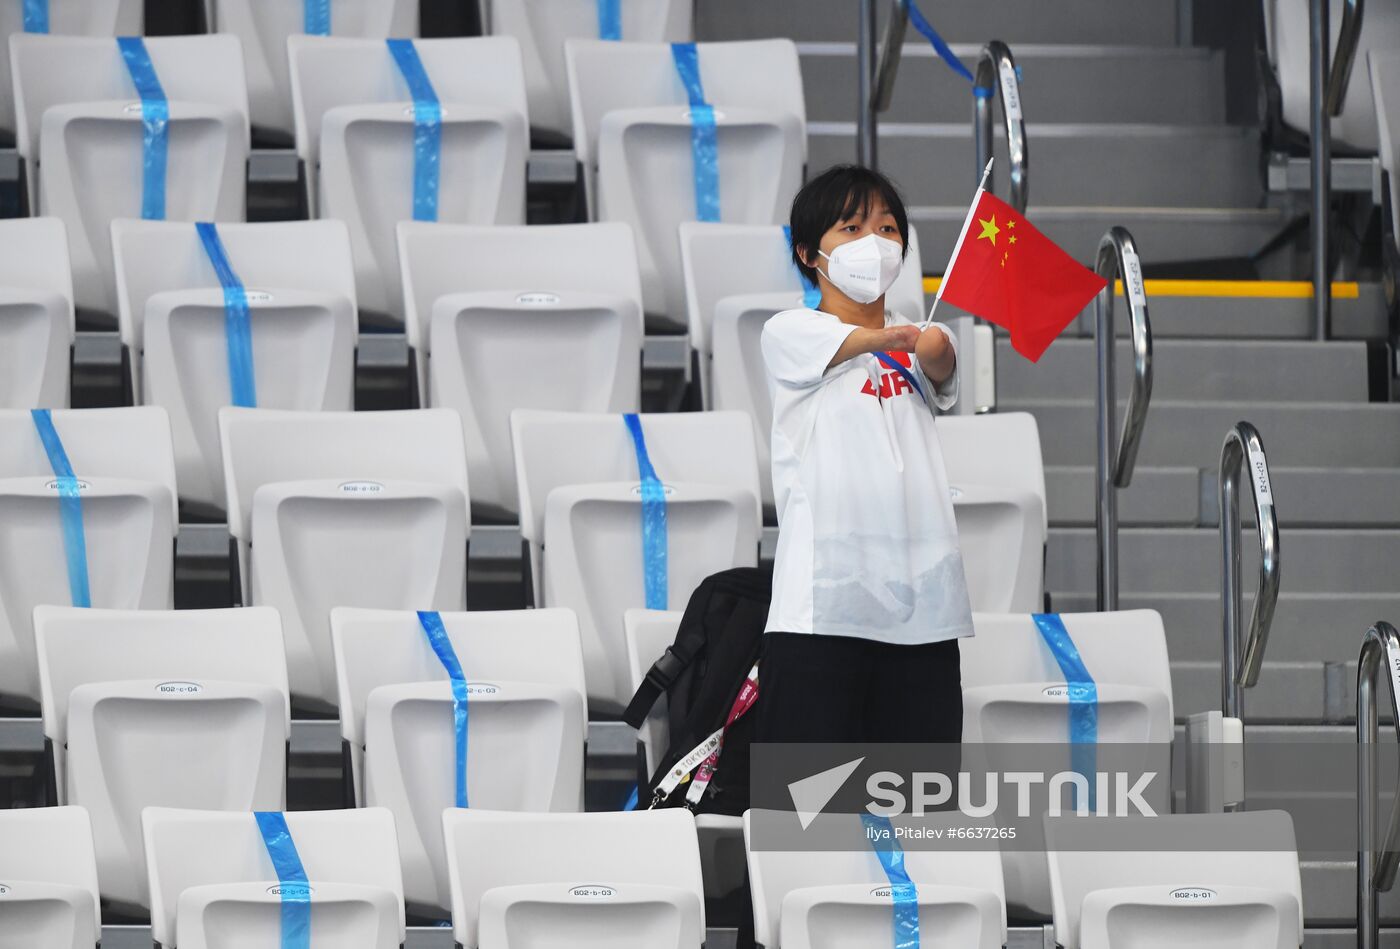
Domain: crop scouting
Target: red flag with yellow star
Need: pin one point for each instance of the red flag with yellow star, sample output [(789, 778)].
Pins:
[(1007, 272)]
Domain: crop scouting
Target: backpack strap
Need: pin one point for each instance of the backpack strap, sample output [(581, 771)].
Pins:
[(661, 676)]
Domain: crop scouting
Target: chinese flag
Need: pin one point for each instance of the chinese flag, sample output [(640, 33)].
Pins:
[(1007, 272)]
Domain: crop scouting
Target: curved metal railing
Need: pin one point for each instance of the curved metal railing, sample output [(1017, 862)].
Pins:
[(891, 48), (996, 70), (1347, 39), (1243, 660), (1118, 257), (1375, 870)]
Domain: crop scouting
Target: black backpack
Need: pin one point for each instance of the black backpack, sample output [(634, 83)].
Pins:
[(717, 643)]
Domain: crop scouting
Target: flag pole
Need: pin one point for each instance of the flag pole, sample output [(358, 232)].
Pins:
[(967, 222)]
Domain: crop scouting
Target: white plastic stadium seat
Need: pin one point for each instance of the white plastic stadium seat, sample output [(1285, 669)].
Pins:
[(721, 836), (213, 885), (300, 284), (542, 29), (1286, 38), (80, 133), (840, 899), (355, 131), (1014, 693), (632, 134), (617, 880), (1385, 87), (48, 896), (736, 277), (344, 509), (997, 479), (1116, 885), (544, 317), (262, 26), (581, 517), (526, 726), (126, 477), (36, 314), (163, 709), (66, 18)]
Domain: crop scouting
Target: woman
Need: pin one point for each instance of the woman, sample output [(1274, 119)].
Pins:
[(869, 595)]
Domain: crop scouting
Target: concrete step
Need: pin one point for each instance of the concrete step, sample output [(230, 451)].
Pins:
[(1175, 86), (1307, 627), (1335, 497), (1100, 22), (1171, 166), (1153, 561), (1194, 370), (1355, 435), (1165, 235)]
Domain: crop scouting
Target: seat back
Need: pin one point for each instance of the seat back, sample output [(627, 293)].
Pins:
[(178, 709), (527, 723), (188, 848), (355, 131), (573, 850), (300, 285), (344, 509), (1000, 450), (46, 859), (36, 312), (648, 634), (66, 18), (542, 32), (633, 136), (1385, 75), (263, 26), (1286, 32), (1089, 854), (90, 173), (123, 461), (569, 295), (773, 874)]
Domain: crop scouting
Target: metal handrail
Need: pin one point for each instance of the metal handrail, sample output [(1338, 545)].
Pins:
[(1375, 873), (1242, 661), (996, 69), (866, 128), (1114, 464), (891, 48), (1347, 39)]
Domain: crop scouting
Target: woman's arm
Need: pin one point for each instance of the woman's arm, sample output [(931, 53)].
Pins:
[(936, 355), (861, 340)]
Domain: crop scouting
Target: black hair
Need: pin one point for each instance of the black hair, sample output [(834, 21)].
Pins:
[(836, 194)]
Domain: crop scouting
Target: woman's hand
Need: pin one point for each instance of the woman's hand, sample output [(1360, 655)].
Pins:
[(903, 338), (936, 355)]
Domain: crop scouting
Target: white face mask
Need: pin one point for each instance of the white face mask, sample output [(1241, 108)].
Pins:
[(864, 269)]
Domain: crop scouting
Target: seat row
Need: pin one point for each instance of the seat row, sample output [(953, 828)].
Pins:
[(545, 317), (191, 709), (433, 130), (263, 26), (370, 509)]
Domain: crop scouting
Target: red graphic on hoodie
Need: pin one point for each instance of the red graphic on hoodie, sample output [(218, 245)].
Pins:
[(891, 383)]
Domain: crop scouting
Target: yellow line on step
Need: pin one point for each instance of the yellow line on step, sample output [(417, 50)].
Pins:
[(1270, 289)]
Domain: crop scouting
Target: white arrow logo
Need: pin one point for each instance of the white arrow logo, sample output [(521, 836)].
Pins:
[(812, 794)]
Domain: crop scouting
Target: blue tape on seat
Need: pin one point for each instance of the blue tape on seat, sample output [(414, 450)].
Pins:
[(609, 19), (238, 333), (903, 893), (939, 47), (427, 129), (1083, 699), (317, 17), (155, 117), (654, 543), (631, 803), (704, 145), (890, 363), (431, 621), (36, 16), (811, 295), (295, 889), (70, 508)]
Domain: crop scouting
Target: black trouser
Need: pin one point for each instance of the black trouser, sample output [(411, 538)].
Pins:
[(815, 688)]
